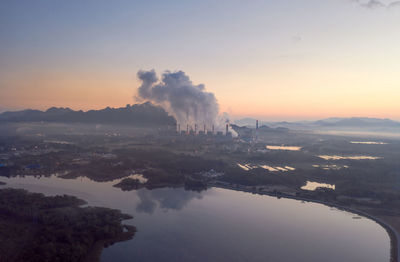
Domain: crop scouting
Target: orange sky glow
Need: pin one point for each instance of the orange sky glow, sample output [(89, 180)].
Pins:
[(276, 63)]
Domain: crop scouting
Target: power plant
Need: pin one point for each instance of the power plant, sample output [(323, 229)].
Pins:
[(205, 132), (251, 135), (244, 134)]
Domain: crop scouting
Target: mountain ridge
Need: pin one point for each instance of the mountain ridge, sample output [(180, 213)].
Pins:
[(333, 122), (137, 114)]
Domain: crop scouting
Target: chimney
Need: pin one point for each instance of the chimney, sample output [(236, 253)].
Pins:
[(204, 129), (213, 129), (256, 124), (227, 127), (187, 129), (195, 128)]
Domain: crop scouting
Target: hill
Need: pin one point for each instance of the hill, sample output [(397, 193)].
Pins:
[(352, 123), (145, 114)]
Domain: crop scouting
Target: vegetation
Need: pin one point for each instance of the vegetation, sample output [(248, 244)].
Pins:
[(145, 114), (128, 184), (167, 159), (35, 227)]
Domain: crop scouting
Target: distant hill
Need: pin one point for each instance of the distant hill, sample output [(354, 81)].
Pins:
[(353, 123), (145, 114), (248, 132), (247, 121), (357, 122)]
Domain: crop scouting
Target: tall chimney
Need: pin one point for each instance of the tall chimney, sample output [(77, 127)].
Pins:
[(213, 129), (227, 127), (187, 129), (204, 129), (195, 128), (256, 124)]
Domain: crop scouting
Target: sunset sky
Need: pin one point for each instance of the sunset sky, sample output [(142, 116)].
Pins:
[(286, 59)]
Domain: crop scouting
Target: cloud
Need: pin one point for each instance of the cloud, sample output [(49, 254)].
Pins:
[(164, 199), (371, 4), (394, 4), (296, 39), (376, 4)]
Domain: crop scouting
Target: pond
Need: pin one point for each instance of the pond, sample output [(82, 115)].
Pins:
[(312, 186), (368, 143), (287, 148), (337, 157), (248, 167)]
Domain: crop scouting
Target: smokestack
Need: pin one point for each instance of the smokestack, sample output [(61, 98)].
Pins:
[(204, 129), (195, 128), (256, 124), (213, 129), (187, 129), (226, 130)]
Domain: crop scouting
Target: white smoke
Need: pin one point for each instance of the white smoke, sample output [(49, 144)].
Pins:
[(190, 104)]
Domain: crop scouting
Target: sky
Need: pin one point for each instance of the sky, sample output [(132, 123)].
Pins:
[(277, 60)]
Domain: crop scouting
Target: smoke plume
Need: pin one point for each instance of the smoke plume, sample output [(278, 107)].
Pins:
[(188, 103)]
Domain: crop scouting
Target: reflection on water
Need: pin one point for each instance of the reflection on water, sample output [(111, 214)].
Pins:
[(368, 143), (330, 167), (288, 148), (269, 168), (224, 225), (164, 199), (336, 157), (244, 167), (58, 142), (312, 186), (139, 177), (248, 167)]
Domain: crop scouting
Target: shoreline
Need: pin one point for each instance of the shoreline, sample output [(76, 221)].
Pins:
[(94, 255), (394, 235), (95, 252)]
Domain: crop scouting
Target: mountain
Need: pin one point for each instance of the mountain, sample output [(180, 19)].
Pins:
[(139, 114), (247, 121), (251, 122), (357, 122), (352, 123)]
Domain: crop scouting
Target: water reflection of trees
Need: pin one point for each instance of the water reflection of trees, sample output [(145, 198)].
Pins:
[(165, 199)]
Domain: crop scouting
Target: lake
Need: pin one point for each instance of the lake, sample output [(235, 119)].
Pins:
[(224, 225)]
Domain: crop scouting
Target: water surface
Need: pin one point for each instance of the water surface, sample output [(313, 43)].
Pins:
[(287, 148), (312, 186), (368, 143), (248, 167), (337, 157), (224, 225)]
